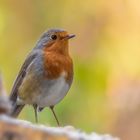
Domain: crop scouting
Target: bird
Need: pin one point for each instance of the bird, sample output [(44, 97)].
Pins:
[(46, 74)]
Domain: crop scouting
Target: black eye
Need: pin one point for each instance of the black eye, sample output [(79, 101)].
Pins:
[(54, 37)]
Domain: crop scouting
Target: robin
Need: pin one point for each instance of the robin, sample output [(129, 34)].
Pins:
[(46, 75)]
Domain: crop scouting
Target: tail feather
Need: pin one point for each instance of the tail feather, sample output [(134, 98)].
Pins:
[(16, 110)]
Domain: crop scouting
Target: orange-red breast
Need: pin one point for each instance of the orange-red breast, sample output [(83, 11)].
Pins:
[(46, 75)]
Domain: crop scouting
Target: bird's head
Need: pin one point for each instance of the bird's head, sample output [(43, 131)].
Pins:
[(54, 40)]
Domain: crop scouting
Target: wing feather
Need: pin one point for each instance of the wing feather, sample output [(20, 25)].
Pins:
[(21, 75)]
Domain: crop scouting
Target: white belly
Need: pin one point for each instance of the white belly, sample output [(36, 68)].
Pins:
[(53, 93)]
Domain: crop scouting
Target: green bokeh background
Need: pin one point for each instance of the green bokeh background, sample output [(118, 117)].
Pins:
[(105, 54)]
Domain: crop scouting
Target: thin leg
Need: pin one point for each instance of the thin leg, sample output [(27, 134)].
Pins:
[(36, 113), (52, 109)]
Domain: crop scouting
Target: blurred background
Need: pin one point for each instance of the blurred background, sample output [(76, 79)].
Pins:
[(105, 95)]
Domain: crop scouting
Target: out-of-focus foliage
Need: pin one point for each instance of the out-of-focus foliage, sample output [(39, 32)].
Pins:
[(106, 54)]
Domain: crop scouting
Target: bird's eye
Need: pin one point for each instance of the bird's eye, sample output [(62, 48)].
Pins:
[(54, 37)]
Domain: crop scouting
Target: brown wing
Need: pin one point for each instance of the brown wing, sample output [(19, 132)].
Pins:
[(21, 75)]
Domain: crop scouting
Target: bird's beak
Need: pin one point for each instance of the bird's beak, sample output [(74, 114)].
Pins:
[(69, 36)]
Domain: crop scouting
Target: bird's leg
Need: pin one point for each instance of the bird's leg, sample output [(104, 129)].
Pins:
[(36, 113), (52, 109)]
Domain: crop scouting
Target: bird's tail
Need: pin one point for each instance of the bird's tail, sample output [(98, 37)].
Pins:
[(16, 110)]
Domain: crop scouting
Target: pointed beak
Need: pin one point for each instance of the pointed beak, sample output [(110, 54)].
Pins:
[(69, 36)]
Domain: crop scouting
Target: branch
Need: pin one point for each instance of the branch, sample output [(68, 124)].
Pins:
[(5, 105), (12, 129)]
